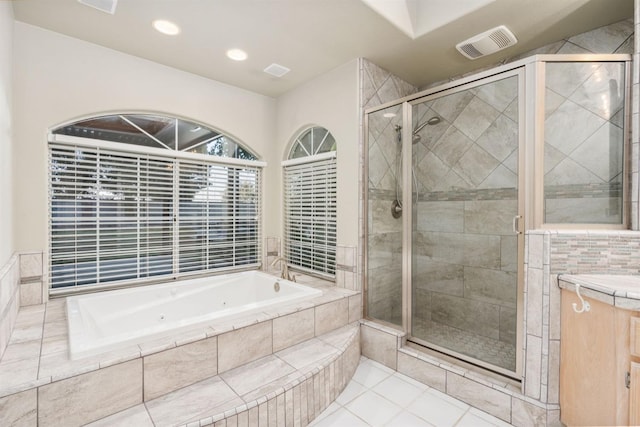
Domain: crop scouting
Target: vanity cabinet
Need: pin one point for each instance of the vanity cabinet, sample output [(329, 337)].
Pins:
[(596, 360)]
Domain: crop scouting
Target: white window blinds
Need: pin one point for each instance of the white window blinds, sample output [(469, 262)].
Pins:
[(219, 218), (124, 216), (310, 214)]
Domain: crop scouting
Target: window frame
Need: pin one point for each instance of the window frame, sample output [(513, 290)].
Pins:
[(174, 156), (330, 224)]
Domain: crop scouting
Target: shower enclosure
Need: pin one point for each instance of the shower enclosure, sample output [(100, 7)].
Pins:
[(457, 173)]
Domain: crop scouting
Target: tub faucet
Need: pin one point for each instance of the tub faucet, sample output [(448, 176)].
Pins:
[(285, 269)]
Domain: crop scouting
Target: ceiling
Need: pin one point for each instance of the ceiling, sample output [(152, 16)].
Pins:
[(312, 37)]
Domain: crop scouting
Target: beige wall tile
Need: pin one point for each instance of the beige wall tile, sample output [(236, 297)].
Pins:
[(524, 414), (272, 412), (490, 216), (89, 397), (263, 414), (30, 265), (426, 373), (478, 395), (379, 346), (202, 399), (533, 366), (355, 307), (179, 367), (293, 329), (331, 316), (136, 416), (30, 294), (244, 345), (351, 359), (534, 301), (19, 409)]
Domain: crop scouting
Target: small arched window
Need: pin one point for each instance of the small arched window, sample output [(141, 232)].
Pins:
[(310, 186), (135, 197)]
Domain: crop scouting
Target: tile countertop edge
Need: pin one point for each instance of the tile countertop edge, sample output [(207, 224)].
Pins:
[(618, 290)]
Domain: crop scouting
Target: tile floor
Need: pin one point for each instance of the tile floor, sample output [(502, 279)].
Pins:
[(379, 396)]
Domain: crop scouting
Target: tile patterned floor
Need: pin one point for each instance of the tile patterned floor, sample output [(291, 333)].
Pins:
[(379, 396), (496, 352)]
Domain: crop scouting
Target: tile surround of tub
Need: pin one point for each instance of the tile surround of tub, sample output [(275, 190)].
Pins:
[(52, 364), (33, 289), (9, 299), (346, 267), (273, 251)]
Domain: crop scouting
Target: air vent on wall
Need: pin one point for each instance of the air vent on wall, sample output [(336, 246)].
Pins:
[(108, 6), (276, 70), (490, 41)]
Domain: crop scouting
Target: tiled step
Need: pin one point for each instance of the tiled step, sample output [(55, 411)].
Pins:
[(41, 385), (289, 387)]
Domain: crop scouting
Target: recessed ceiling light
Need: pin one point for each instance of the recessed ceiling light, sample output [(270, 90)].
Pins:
[(237, 54), (166, 27), (388, 115)]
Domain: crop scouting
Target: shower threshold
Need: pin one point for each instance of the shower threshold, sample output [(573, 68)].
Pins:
[(487, 353)]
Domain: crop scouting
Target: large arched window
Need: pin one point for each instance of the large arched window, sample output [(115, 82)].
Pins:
[(310, 203), (135, 197)]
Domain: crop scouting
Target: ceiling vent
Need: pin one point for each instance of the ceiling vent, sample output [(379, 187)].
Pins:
[(276, 70), (489, 42), (108, 6)]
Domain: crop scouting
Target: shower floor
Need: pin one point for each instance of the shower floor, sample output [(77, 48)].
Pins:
[(488, 350)]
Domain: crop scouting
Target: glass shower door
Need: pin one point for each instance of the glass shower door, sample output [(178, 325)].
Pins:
[(464, 290)]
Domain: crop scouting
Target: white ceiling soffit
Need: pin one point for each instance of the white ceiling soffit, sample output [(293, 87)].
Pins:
[(108, 6), (416, 18)]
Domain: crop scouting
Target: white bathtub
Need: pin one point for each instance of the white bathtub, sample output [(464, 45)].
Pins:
[(111, 320)]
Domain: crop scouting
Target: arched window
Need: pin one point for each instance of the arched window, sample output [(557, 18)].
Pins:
[(135, 197), (310, 203)]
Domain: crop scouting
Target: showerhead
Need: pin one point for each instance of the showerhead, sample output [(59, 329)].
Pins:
[(431, 122), (416, 138)]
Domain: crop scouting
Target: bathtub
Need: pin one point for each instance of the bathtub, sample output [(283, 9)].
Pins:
[(106, 321)]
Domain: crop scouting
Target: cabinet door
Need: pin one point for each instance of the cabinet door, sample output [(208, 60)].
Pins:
[(634, 395)]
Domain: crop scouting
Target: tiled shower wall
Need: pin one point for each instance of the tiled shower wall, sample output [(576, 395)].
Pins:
[(615, 38), (465, 251), (549, 253), (385, 233), (584, 141)]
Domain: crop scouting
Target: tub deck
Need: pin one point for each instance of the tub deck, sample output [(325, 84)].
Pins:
[(37, 358)]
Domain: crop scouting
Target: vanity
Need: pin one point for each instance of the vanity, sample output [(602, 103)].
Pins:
[(600, 350)]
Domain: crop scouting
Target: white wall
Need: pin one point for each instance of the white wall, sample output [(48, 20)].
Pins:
[(330, 101), (6, 137), (59, 78)]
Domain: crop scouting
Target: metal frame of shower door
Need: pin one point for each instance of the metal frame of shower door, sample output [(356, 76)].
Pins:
[(365, 216), (523, 172)]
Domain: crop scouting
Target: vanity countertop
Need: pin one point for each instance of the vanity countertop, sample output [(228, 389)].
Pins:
[(618, 290)]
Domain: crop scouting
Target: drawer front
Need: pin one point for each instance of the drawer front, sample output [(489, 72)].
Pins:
[(635, 336)]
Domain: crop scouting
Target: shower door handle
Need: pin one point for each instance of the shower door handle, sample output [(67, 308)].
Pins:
[(516, 224)]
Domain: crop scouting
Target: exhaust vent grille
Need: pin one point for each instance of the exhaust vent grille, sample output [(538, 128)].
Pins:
[(489, 42), (276, 70)]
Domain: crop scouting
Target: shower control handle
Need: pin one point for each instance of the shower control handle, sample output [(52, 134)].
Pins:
[(516, 224)]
